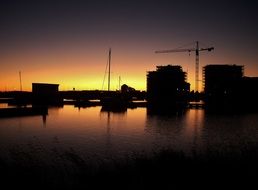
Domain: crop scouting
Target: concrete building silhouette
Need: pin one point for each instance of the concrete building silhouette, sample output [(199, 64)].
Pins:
[(44, 93), (225, 87), (167, 87), (44, 88), (221, 79)]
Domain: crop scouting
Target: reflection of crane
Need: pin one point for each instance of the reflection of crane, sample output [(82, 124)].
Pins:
[(197, 49)]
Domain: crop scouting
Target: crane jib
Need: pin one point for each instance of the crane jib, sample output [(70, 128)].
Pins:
[(197, 50)]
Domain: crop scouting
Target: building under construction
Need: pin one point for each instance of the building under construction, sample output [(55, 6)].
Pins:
[(221, 79), (167, 87), (226, 87)]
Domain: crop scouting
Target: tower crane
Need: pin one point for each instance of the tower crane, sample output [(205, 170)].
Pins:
[(197, 49)]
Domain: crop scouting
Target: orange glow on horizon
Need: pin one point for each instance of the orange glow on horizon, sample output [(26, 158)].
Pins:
[(84, 69), (70, 70)]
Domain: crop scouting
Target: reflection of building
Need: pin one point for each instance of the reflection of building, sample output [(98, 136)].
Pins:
[(167, 85), (225, 85), (45, 93)]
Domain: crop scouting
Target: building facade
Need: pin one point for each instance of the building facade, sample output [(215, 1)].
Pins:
[(221, 79), (44, 93), (167, 86), (226, 87)]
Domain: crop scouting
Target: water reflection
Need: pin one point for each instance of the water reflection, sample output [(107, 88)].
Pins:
[(95, 132), (196, 130), (44, 120), (179, 130), (114, 116), (3, 105), (224, 132), (112, 119), (193, 127)]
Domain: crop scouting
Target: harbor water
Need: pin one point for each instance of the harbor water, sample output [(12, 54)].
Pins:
[(97, 135)]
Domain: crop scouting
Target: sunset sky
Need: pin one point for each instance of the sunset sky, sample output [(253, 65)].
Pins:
[(66, 42)]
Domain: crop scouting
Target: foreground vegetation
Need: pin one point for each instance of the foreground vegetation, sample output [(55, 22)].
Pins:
[(165, 169)]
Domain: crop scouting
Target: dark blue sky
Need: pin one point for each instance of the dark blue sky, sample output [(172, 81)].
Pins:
[(212, 20)]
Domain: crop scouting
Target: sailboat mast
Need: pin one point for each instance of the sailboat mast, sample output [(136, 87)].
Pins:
[(109, 62), (119, 83), (20, 80)]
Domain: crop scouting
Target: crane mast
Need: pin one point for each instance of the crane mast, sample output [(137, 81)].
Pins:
[(197, 50), (197, 67)]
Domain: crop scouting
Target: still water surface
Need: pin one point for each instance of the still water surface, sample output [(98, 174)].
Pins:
[(94, 134)]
